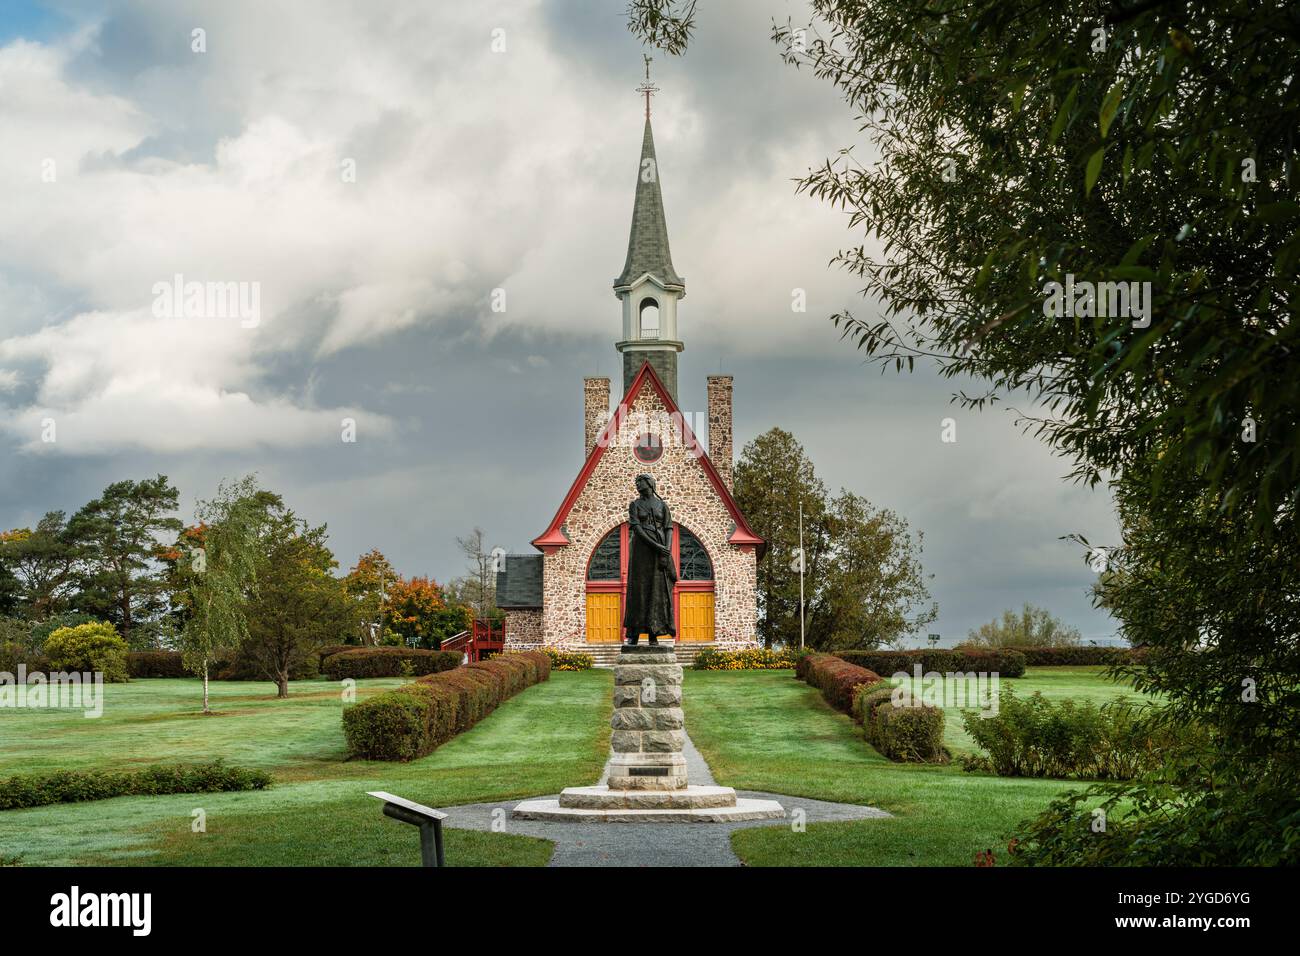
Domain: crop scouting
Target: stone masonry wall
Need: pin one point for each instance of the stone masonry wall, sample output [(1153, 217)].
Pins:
[(720, 427), (524, 629), (595, 408)]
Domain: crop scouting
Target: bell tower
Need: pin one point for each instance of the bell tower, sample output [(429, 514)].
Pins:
[(649, 287)]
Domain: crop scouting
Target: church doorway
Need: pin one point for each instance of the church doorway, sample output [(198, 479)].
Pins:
[(693, 596)]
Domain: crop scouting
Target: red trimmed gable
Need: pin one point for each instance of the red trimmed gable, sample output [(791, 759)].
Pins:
[(553, 537)]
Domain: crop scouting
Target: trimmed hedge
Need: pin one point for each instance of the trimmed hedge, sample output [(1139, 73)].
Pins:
[(388, 662), (239, 667), (156, 664), (75, 786), (748, 659), (1066, 656), (1006, 663), (416, 718), (836, 678), (903, 731)]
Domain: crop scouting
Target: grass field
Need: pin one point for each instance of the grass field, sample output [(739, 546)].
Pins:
[(764, 730), (317, 814)]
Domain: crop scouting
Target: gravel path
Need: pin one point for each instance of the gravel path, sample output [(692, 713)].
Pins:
[(648, 844)]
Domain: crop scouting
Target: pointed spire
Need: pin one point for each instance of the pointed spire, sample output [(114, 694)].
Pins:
[(647, 245)]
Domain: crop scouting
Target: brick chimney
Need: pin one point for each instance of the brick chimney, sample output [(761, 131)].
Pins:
[(720, 426), (595, 412)]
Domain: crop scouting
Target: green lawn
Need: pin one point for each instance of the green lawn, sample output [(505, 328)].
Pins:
[(317, 814), (764, 730)]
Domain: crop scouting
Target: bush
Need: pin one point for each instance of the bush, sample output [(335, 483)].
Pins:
[(748, 659), (1034, 737), (907, 731), (1065, 656), (329, 650), (12, 654), (416, 718), (836, 678), (156, 664), (568, 660), (74, 786), (1005, 663), (388, 662), (88, 647)]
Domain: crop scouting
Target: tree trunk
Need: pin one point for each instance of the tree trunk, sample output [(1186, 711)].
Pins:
[(282, 684), (206, 708)]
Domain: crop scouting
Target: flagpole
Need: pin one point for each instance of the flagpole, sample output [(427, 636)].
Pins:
[(803, 561)]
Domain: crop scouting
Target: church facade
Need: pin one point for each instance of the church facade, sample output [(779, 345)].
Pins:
[(570, 594)]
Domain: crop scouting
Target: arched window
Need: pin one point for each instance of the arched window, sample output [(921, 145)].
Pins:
[(695, 563), (649, 315), (607, 559)]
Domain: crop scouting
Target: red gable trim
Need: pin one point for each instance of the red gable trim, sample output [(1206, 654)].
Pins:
[(554, 537)]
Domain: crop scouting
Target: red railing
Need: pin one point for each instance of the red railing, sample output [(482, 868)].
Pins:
[(484, 639)]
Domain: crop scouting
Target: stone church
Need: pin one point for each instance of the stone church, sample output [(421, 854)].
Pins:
[(569, 595)]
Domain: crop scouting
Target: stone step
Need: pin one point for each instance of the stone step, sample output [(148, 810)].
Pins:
[(604, 655)]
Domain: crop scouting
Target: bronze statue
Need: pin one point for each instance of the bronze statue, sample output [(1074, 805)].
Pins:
[(650, 571)]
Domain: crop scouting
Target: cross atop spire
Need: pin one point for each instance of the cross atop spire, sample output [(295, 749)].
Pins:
[(647, 88)]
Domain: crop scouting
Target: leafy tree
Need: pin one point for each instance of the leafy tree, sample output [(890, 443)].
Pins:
[(298, 605), (870, 589), (1030, 627), (39, 567), (773, 476), (221, 576), (417, 612), (366, 584), (118, 534), (863, 583)]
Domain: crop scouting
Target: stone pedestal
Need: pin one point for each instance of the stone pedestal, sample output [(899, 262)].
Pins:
[(647, 771), (647, 737)]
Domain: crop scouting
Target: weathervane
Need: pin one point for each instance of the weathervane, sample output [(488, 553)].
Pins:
[(647, 88)]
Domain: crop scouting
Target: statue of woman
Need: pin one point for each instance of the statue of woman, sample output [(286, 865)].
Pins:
[(650, 571)]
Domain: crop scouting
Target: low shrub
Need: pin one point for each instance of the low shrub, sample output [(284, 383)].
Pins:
[(1005, 663), (329, 650), (1077, 656), (74, 786), (908, 732), (388, 662), (867, 699), (1034, 737), (156, 664), (88, 647), (13, 654), (416, 718), (835, 677), (569, 660), (747, 659)]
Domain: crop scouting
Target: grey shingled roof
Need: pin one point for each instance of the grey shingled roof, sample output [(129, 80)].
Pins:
[(519, 584), (647, 244)]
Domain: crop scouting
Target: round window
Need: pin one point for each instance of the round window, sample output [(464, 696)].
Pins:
[(648, 448)]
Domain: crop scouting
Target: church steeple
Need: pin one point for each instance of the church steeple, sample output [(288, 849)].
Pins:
[(649, 286)]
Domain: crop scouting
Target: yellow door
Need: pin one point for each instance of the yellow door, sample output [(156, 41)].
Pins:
[(603, 624), (695, 613)]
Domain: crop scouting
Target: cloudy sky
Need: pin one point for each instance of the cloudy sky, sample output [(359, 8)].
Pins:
[(127, 158)]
